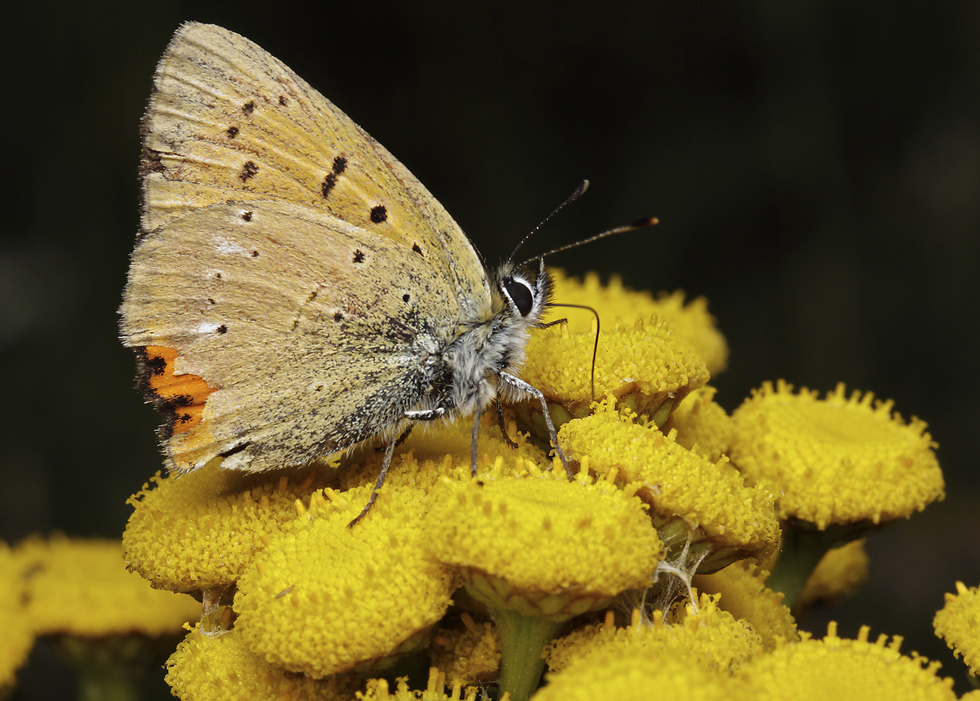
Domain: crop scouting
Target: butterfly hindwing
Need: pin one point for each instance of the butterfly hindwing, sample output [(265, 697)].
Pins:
[(264, 302)]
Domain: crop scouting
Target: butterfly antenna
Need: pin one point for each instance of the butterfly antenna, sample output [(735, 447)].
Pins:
[(632, 226), (579, 191)]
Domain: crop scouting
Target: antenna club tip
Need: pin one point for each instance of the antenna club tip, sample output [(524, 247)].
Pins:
[(645, 221)]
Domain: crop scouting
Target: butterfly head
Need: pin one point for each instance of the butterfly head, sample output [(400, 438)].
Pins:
[(525, 290)]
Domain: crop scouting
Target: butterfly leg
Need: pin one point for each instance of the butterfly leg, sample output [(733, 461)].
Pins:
[(401, 439), (385, 464), (503, 427), (416, 415), (548, 325), (521, 385)]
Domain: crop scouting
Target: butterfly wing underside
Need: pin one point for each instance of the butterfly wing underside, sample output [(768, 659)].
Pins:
[(292, 279)]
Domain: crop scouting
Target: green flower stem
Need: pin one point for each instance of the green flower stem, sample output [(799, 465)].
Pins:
[(109, 668), (804, 545), (522, 640), (107, 684)]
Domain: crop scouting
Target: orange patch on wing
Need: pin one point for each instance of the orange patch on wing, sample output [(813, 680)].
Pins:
[(182, 397)]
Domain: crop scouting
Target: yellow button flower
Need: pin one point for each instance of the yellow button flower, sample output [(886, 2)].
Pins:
[(378, 690), (648, 353), (200, 531), (634, 674), (958, 623), (18, 631), (839, 574), (325, 598), (468, 653), (708, 637), (745, 595), (544, 545), (837, 460), (837, 668), (690, 321), (220, 668), (702, 425), (538, 551), (689, 496), (81, 587)]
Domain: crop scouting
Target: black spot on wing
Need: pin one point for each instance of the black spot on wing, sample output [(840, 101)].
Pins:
[(249, 107), (283, 101), (246, 216), (232, 132), (248, 170), (222, 329), (417, 249), (330, 180), (358, 256), (379, 214), (237, 449)]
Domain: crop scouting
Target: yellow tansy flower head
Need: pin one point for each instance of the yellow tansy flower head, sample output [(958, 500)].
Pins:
[(629, 674), (18, 630), (325, 598), (837, 668), (379, 690), (81, 587), (537, 551), (958, 623), (690, 321), (689, 496), (745, 595), (837, 460), (839, 574), (643, 359), (467, 654), (702, 424), (433, 452), (710, 637), (544, 545), (641, 363), (201, 530), (220, 668)]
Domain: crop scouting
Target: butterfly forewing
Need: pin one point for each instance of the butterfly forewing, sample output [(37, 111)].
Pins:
[(292, 280), (228, 121)]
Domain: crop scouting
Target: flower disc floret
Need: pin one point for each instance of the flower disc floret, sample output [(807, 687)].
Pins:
[(687, 493), (220, 668), (326, 598), (690, 320), (544, 544), (837, 460), (709, 637), (837, 668), (201, 530), (958, 623), (81, 587), (744, 594), (642, 363), (633, 674)]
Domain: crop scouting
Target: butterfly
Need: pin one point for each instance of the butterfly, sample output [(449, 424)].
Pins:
[(294, 291)]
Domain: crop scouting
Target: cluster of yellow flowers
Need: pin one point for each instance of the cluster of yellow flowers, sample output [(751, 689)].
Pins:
[(648, 574)]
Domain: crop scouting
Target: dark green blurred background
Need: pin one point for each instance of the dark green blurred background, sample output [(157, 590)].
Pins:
[(815, 166)]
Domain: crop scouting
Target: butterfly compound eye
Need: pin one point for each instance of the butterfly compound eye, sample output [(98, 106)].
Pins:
[(520, 294)]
